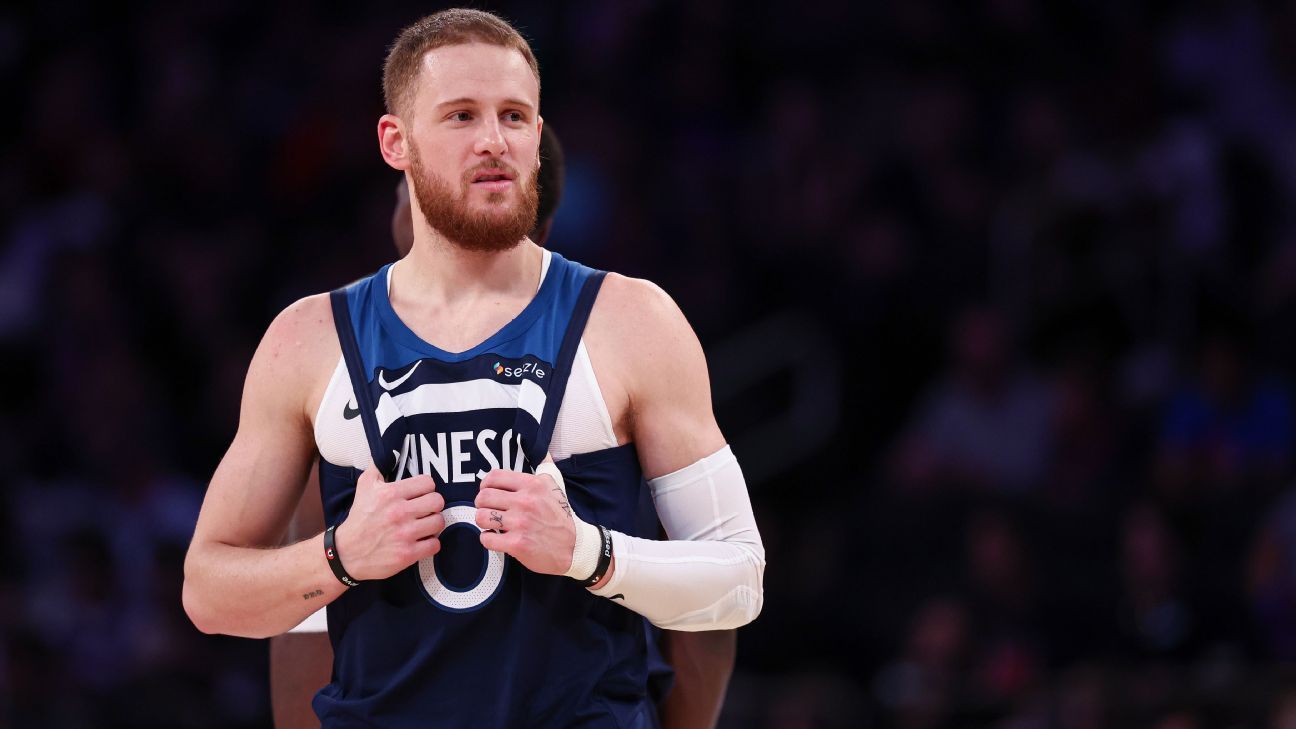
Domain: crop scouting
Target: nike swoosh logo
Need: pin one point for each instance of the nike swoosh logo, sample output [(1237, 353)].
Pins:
[(350, 413), (618, 596), (389, 386)]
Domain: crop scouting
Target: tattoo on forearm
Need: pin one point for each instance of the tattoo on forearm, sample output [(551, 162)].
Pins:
[(562, 500), (313, 593)]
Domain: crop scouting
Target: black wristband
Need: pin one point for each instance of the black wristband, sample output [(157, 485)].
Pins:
[(335, 559), (604, 558)]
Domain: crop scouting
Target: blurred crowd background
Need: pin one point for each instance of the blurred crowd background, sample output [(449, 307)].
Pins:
[(997, 296)]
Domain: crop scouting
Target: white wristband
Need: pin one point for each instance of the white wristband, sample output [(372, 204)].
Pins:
[(585, 554)]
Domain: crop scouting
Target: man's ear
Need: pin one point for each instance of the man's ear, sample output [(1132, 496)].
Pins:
[(392, 142), (539, 135)]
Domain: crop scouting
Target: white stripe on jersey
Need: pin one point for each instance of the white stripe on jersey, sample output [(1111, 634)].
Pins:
[(460, 397)]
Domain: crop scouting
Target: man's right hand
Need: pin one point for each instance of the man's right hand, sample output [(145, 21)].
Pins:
[(390, 526)]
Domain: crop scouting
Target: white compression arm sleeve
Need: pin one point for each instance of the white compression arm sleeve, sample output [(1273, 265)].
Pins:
[(709, 576)]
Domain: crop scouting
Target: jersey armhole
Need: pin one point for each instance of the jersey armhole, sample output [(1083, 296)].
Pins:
[(336, 381), (596, 392)]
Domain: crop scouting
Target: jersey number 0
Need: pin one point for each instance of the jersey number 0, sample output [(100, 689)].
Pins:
[(461, 516)]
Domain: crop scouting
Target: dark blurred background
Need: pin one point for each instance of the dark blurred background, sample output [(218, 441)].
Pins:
[(995, 295)]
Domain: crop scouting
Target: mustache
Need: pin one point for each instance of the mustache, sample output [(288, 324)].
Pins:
[(492, 166)]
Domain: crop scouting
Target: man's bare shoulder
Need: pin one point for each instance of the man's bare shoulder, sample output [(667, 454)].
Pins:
[(302, 332), (299, 351), (642, 331), (637, 313)]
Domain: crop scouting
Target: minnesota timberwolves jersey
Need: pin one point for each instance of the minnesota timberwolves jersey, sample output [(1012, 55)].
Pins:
[(470, 637)]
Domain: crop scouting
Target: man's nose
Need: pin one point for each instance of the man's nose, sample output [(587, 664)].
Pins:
[(491, 139)]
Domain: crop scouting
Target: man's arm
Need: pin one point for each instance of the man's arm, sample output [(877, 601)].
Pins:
[(703, 662), (237, 579), (236, 582), (710, 575)]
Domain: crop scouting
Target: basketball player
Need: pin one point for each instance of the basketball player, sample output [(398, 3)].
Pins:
[(301, 660), (469, 577)]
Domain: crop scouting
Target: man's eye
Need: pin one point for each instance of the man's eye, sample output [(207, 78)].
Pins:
[(514, 116), (461, 116)]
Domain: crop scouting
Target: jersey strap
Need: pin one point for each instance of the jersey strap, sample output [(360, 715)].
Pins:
[(385, 460), (562, 367)]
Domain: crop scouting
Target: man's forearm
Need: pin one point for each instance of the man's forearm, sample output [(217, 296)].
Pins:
[(256, 593), (709, 576), (703, 663)]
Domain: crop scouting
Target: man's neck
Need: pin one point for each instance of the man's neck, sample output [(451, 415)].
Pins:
[(440, 273)]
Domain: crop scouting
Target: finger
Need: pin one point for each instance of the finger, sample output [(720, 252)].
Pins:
[(505, 480), (495, 499), (427, 504), (414, 486), (426, 548), (429, 526), (369, 477), (490, 519), (498, 542)]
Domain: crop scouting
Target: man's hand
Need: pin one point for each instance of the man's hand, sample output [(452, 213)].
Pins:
[(391, 525), (528, 517)]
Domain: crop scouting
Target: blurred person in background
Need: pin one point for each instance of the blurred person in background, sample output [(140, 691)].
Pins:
[(1271, 579), (983, 427), (1003, 604), (1157, 618), (926, 685), (1087, 434), (1229, 427)]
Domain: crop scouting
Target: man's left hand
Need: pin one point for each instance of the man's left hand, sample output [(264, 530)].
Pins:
[(527, 516)]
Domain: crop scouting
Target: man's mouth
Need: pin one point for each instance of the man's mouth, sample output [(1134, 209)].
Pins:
[(493, 179)]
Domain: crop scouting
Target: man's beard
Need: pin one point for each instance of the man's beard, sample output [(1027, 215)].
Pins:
[(482, 231)]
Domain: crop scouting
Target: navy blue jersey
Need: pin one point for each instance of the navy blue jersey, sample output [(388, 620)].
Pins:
[(471, 637)]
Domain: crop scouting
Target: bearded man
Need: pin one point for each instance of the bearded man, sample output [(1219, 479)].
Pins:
[(490, 419)]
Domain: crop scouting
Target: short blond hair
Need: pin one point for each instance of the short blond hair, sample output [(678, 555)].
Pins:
[(446, 28)]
